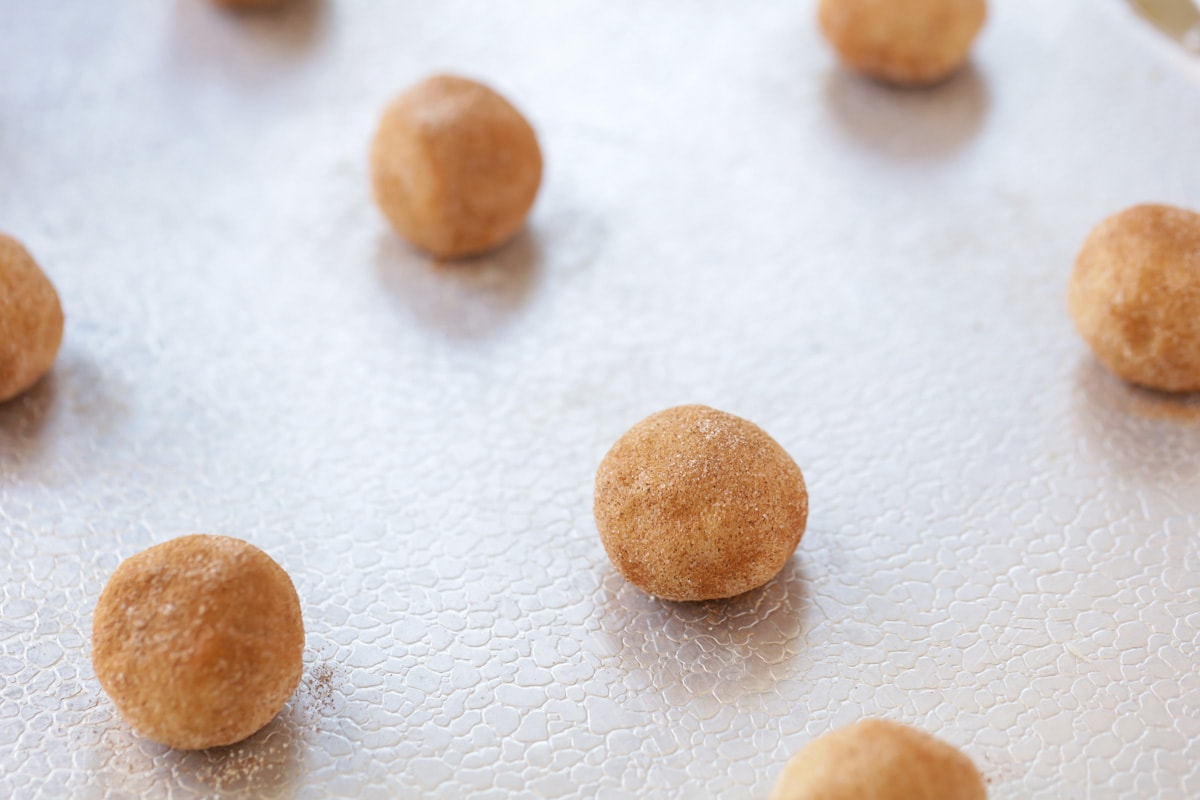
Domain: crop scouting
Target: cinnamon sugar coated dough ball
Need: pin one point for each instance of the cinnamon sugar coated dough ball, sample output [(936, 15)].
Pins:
[(696, 504), (31, 320), (455, 168), (198, 641), (1135, 296), (247, 5), (913, 43), (879, 760)]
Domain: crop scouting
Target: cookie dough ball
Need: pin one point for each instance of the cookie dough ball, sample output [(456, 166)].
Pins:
[(250, 5), (879, 760), (914, 43), (696, 504), (455, 167), (31, 320), (1135, 296), (198, 641)]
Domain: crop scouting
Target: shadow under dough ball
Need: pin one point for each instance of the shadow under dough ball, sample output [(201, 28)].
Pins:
[(879, 760), (696, 504), (911, 43), (1135, 296), (31, 320), (455, 167), (198, 641)]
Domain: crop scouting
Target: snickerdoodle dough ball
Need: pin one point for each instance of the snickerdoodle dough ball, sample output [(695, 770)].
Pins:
[(879, 760), (1135, 296), (31, 320), (696, 504), (198, 641), (250, 5), (455, 167), (913, 43)]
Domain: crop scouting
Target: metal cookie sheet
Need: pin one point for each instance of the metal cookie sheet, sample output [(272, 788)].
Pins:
[(1003, 546)]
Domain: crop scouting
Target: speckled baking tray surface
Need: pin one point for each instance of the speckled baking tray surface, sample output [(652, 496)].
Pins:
[(1003, 541)]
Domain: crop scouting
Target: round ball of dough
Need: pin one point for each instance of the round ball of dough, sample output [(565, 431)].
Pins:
[(879, 760), (1135, 296), (198, 641), (31, 320), (914, 43), (455, 167), (696, 504), (250, 5)]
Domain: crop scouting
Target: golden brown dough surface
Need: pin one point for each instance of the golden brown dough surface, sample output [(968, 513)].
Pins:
[(1135, 296), (910, 43), (879, 760), (198, 641), (31, 320), (454, 167), (696, 504)]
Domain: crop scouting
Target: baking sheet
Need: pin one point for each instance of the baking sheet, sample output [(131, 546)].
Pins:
[(1003, 544)]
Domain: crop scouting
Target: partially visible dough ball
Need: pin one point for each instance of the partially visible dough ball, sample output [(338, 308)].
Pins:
[(247, 5), (198, 641), (879, 760), (1135, 296), (696, 504), (31, 320), (910, 43), (455, 168)]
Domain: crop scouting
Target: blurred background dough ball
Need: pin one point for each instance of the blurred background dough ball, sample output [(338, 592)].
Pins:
[(249, 5), (879, 760), (455, 168), (198, 641), (31, 320), (696, 504), (1135, 296), (910, 43)]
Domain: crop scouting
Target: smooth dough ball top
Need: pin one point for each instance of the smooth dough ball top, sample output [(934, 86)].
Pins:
[(198, 641), (455, 167), (1135, 296), (31, 320), (879, 760), (696, 504), (910, 43)]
